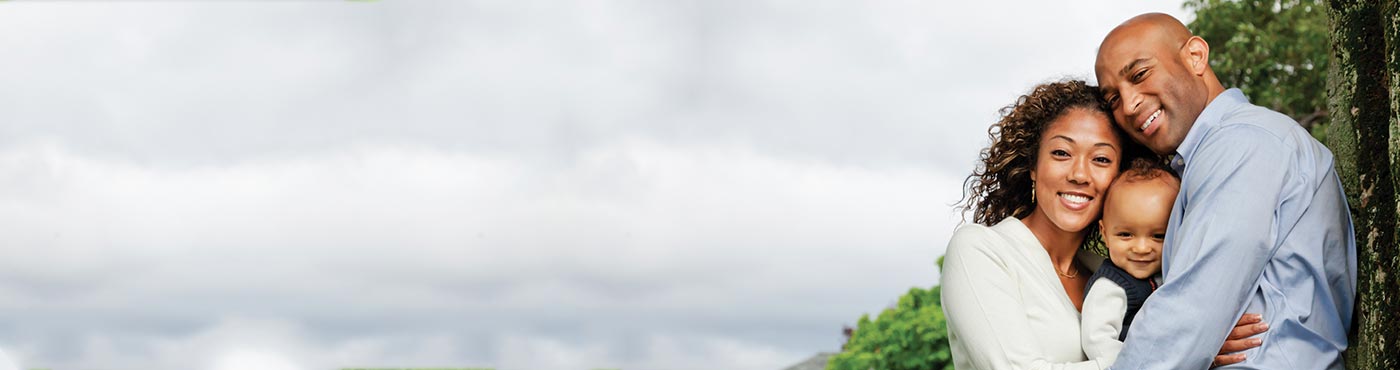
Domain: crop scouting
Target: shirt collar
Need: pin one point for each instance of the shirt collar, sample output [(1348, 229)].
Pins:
[(1211, 116)]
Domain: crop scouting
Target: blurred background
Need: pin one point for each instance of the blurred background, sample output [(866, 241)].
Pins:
[(671, 184)]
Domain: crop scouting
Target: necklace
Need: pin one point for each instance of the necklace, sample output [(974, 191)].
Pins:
[(1067, 275)]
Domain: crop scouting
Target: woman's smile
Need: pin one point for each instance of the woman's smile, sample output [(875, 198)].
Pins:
[(1075, 201)]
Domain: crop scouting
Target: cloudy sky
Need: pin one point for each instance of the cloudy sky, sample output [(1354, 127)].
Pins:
[(678, 184)]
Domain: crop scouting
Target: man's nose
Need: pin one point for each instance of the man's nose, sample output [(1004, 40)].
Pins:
[(1131, 101)]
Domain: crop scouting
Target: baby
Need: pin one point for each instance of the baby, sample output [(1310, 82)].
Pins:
[(1136, 207)]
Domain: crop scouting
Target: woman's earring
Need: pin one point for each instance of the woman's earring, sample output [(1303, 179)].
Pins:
[(1032, 191)]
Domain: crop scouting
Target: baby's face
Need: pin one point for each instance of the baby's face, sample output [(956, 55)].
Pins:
[(1135, 222)]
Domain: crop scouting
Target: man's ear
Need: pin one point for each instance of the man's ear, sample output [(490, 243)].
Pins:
[(1196, 53)]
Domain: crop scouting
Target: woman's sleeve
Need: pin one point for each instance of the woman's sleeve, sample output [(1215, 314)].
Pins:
[(984, 310), (1102, 321)]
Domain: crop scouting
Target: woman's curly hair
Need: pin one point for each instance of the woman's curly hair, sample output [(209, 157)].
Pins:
[(1000, 187)]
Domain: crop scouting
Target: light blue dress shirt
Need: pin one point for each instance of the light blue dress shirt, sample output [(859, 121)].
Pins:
[(1261, 226)]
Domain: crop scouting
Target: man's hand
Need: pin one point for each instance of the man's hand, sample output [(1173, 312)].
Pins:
[(1239, 339)]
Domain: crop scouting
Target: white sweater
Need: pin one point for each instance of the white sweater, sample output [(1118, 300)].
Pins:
[(1005, 306), (1105, 306)]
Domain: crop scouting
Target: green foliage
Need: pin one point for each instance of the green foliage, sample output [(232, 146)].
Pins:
[(1094, 243), (911, 335), (1273, 50)]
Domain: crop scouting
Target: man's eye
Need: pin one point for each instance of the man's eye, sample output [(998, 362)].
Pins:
[(1112, 101), (1138, 76)]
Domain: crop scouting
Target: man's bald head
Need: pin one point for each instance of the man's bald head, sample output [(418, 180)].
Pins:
[(1152, 26), (1157, 78)]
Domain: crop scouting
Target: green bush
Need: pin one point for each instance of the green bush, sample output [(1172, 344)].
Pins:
[(910, 335)]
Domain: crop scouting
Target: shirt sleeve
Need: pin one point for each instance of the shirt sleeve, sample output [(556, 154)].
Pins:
[(1233, 185), (1102, 320), (984, 310)]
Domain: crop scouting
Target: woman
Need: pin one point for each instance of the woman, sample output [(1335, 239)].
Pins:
[(1013, 283)]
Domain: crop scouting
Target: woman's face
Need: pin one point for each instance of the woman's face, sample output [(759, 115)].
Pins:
[(1077, 158)]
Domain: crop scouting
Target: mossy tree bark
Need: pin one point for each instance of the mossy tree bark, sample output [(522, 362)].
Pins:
[(1363, 97)]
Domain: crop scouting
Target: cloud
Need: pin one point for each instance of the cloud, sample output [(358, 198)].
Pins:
[(243, 343), (522, 185), (869, 84), (637, 239)]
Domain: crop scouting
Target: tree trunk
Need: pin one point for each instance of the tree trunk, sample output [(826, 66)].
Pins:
[(1364, 100)]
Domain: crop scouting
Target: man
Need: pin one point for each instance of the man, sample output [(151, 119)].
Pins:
[(1260, 224)]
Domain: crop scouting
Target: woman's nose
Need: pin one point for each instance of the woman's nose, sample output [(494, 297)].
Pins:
[(1079, 172)]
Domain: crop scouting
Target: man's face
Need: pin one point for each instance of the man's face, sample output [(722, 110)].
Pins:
[(1146, 80)]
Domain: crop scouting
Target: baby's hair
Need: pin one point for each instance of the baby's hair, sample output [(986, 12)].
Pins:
[(1147, 169), (1143, 169)]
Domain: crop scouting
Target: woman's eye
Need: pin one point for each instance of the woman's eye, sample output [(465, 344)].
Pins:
[(1104, 160), (1059, 153)]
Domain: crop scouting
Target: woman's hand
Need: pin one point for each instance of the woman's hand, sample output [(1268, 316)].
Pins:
[(1239, 339)]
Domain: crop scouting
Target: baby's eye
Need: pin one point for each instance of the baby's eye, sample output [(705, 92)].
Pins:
[(1159, 236), (1123, 234)]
